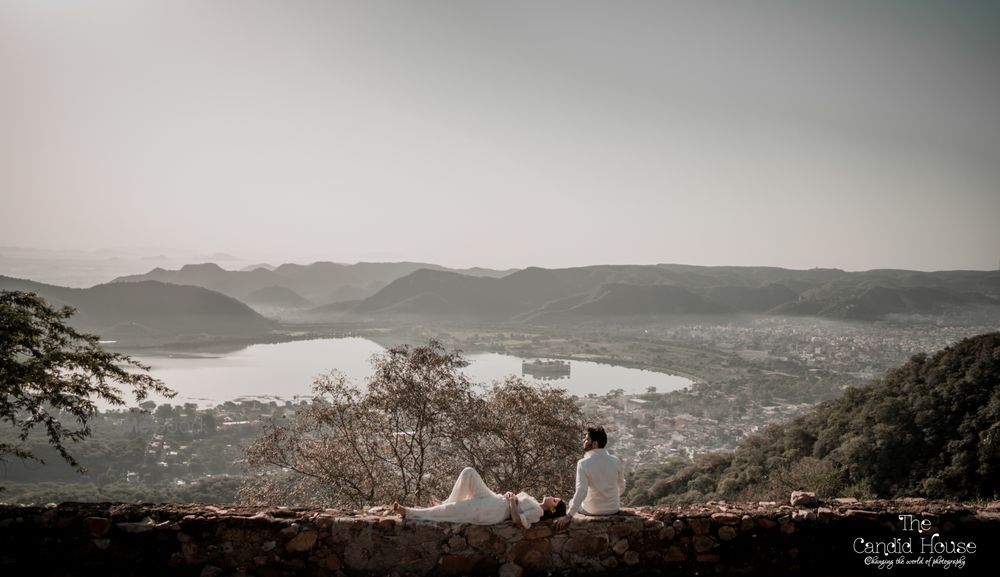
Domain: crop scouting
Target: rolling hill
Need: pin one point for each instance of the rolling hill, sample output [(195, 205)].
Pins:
[(317, 283), (625, 300), (150, 309), (868, 301), (278, 297), (442, 293), (545, 295), (930, 428)]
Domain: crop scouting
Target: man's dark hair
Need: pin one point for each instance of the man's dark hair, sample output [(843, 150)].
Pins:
[(598, 436), (560, 511)]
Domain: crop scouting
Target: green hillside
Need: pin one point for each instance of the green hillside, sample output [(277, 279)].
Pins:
[(930, 428)]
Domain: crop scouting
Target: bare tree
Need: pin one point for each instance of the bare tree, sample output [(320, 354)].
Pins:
[(523, 437), (406, 436)]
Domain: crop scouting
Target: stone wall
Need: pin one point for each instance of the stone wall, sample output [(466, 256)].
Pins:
[(717, 538)]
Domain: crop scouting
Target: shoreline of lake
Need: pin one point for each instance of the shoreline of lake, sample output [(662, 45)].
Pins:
[(286, 370)]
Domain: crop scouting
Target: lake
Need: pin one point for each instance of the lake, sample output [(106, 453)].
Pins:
[(285, 371)]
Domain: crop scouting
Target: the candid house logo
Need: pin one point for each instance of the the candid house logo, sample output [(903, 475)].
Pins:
[(922, 545)]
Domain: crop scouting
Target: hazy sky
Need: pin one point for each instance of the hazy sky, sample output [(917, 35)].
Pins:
[(839, 134)]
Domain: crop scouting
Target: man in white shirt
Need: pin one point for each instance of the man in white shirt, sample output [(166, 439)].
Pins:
[(600, 479)]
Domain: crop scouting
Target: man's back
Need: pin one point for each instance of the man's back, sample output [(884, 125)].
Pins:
[(600, 480)]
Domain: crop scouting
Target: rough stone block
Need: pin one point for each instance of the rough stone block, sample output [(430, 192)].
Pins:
[(786, 525), (588, 544), (803, 499), (470, 563), (674, 555), (333, 562), (625, 527), (146, 524), (97, 526), (538, 532), (700, 525), (359, 551), (420, 558), (510, 570), (457, 543), (726, 518), (631, 558), (667, 533), (389, 525), (727, 533), (459, 564), (479, 537), (341, 534), (620, 546), (859, 513), (703, 543), (304, 541), (494, 544), (509, 532), (190, 553), (535, 556)]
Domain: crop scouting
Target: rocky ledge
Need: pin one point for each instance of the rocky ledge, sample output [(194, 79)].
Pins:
[(839, 537)]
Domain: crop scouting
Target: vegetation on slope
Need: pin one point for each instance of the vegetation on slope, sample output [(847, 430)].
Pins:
[(930, 428)]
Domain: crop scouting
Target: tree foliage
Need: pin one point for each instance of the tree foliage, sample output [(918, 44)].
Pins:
[(407, 434), (52, 376), (929, 428)]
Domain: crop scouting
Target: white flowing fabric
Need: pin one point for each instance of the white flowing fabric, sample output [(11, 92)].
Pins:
[(471, 501)]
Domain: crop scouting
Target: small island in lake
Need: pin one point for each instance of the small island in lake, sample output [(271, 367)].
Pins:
[(545, 369)]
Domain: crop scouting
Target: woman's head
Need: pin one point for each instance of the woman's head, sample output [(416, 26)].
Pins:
[(553, 507)]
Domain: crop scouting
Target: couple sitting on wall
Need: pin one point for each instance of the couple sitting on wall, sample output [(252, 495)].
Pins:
[(600, 481)]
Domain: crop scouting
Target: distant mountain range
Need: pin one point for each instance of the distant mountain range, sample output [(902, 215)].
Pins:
[(153, 303), (544, 295), (150, 310), (305, 285)]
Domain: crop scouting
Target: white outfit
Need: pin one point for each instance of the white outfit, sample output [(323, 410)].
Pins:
[(600, 481), (471, 501)]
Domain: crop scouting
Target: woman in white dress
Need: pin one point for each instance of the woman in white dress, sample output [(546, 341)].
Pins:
[(471, 501)]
